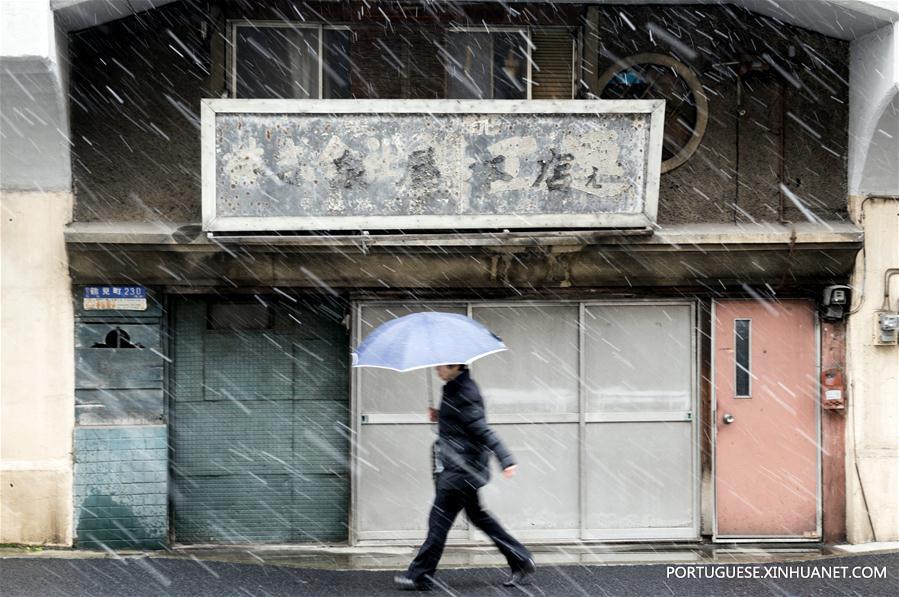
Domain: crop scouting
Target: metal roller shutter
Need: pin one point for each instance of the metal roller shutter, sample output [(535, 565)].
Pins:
[(258, 423)]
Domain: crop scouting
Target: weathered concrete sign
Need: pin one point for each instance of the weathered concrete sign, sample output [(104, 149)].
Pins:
[(280, 165)]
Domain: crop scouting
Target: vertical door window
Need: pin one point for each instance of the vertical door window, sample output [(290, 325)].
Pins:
[(742, 375), (395, 439)]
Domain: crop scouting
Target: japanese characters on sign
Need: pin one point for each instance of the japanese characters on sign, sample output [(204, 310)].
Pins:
[(120, 298), (413, 170)]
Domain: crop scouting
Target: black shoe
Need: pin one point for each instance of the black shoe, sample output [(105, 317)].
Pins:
[(404, 583), (523, 575)]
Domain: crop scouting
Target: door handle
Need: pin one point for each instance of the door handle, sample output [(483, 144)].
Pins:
[(728, 419)]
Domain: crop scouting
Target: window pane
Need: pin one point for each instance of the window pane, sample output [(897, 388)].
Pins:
[(637, 358), (742, 330), (276, 62), (538, 374), (510, 66), (469, 66), (336, 68), (487, 65), (395, 478), (639, 475), (382, 391), (544, 494)]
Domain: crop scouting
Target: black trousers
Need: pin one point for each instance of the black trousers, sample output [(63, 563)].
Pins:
[(448, 502)]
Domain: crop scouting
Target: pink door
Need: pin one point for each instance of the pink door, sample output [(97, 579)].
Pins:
[(765, 393)]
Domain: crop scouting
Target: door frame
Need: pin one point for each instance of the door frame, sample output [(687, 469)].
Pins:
[(713, 409), (691, 533)]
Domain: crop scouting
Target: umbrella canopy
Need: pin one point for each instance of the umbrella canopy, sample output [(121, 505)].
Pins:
[(426, 340)]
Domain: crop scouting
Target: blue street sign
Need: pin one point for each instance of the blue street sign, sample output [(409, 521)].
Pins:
[(115, 298), (115, 292)]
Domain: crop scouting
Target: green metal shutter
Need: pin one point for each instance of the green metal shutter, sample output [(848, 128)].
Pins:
[(259, 419)]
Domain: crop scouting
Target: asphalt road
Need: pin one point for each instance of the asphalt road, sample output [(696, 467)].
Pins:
[(46, 577)]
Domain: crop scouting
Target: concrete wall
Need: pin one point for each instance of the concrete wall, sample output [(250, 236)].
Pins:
[(874, 113), (37, 370), (872, 427), (34, 102), (36, 362)]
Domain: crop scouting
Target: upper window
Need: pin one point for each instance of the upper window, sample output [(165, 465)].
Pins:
[(274, 59), (285, 60)]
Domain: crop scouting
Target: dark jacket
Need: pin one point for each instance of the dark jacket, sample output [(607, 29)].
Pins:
[(465, 441)]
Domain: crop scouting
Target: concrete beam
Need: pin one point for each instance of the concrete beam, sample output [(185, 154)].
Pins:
[(711, 256), (73, 15), (34, 124), (163, 233), (842, 19)]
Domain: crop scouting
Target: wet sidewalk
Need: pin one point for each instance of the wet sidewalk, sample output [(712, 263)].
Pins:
[(207, 571), (397, 557)]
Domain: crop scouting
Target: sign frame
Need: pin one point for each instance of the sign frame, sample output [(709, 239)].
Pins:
[(114, 298), (209, 108)]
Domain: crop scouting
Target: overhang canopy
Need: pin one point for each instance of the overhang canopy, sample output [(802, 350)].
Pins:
[(712, 256)]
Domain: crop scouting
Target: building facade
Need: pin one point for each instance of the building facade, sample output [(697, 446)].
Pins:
[(257, 186)]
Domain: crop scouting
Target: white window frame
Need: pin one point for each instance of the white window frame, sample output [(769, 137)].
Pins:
[(232, 52)]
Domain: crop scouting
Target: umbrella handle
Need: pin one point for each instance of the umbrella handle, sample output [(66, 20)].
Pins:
[(430, 388), (430, 396)]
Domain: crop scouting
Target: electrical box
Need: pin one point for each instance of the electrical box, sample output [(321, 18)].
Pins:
[(886, 328), (835, 302)]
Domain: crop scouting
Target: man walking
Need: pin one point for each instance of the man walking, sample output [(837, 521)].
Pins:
[(465, 442)]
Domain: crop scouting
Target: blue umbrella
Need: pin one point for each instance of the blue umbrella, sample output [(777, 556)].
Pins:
[(425, 340)]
